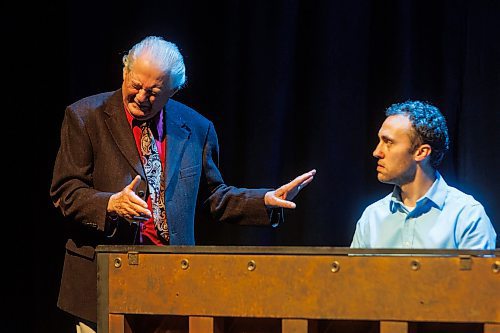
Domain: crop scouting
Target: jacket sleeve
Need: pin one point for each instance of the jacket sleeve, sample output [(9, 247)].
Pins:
[(72, 188), (232, 204)]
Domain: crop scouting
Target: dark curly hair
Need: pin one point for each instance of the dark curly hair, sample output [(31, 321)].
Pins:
[(429, 127)]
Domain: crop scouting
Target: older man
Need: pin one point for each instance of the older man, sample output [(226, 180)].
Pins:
[(132, 167)]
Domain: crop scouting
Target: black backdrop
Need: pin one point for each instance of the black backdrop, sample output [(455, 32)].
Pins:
[(290, 85)]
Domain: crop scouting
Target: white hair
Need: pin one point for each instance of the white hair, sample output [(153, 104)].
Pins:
[(166, 55)]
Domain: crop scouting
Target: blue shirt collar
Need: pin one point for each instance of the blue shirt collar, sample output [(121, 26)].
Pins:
[(436, 194)]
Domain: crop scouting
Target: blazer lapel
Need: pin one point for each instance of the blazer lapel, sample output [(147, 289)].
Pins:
[(122, 134), (177, 135)]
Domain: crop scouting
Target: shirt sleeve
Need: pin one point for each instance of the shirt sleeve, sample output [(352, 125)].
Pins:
[(475, 230), (358, 240)]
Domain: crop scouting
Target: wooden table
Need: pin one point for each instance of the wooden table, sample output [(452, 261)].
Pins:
[(296, 289)]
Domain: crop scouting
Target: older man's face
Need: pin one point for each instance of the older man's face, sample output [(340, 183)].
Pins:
[(145, 89)]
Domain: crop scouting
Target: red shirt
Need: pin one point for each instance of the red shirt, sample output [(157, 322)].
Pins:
[(148, 232)]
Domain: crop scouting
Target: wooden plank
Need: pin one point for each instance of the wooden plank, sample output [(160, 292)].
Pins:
[(491, 328), (299, 326), (393, 327), (118, 324), (102, 293), (294, 326), (361, 288), (205, 325)]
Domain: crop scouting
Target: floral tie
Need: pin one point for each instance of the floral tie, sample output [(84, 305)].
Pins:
[(156, 181)]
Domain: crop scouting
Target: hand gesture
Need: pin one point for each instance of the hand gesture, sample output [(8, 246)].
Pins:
[(282, 196), (128, 205)]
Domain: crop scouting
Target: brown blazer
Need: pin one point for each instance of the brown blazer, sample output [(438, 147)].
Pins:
[(98, 157)]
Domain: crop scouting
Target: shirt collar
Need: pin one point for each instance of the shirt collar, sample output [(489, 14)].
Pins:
[(438, 191), (436, 194), (157, 122), (396, 200)]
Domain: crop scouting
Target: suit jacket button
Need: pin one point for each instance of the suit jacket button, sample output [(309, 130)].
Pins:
[(141, 194)]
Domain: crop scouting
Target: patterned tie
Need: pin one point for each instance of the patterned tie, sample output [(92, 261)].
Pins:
[(156, 181)]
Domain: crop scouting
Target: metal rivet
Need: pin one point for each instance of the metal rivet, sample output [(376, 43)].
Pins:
[(251, 265), (184, 264), (465, 262), (118, 262), (496, 267), (415, 265), (133, 258), (335, 266)]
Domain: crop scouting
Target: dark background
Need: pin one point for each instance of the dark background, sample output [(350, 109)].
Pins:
[(290, 86)]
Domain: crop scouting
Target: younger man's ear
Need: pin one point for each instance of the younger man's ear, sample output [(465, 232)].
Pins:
[(422, 152)]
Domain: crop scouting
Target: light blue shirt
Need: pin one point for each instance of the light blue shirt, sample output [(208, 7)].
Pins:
[(444, 218)]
